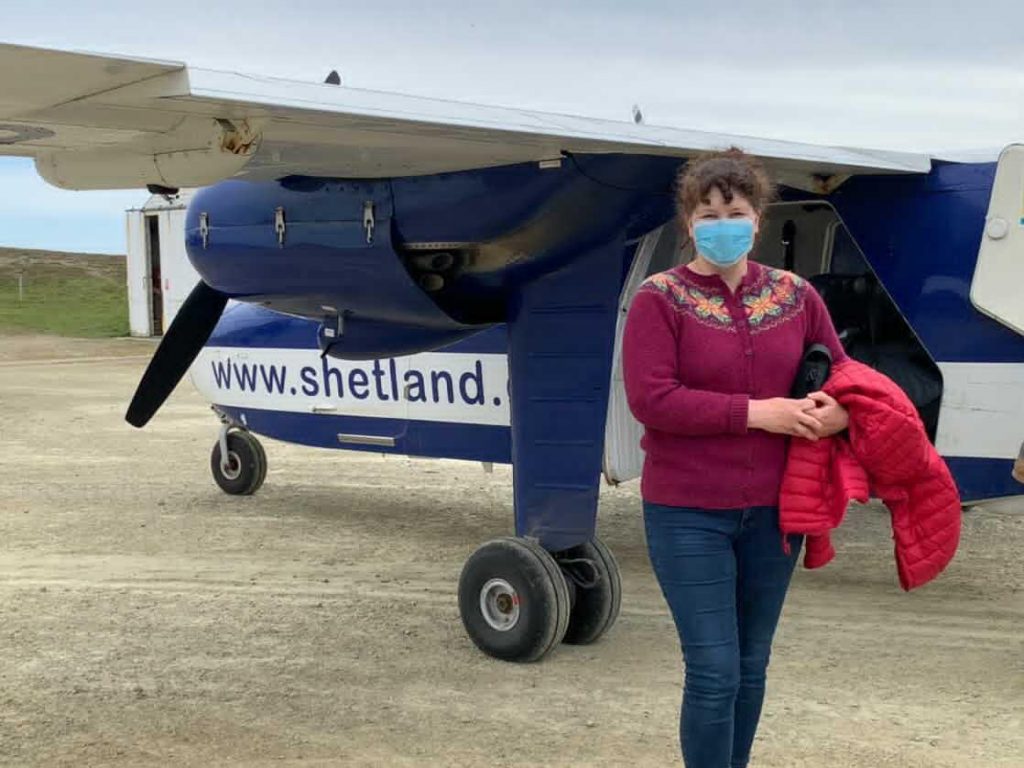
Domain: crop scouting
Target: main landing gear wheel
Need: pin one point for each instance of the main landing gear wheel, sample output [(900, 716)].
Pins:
[(246, 467), (514, 600), (594, 577)]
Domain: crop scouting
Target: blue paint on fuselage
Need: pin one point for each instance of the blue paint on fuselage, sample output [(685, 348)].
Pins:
[(921, 235), (979, 479), (432, 439), (252, 326), (249, 325)]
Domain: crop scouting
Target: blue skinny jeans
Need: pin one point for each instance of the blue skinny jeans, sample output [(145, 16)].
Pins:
[(724, 575)]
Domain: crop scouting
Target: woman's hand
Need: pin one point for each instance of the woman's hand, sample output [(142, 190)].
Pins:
[(785, 416), (833, 417)]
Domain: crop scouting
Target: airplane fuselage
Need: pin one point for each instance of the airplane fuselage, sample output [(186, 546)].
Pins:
[(411, 307)]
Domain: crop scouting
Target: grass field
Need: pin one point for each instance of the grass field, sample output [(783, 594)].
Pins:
[(68, 294)]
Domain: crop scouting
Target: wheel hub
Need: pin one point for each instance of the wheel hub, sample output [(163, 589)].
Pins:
[(231, 468), (499, 604)]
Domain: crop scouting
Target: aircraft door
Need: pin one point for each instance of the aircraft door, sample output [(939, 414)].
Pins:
[(156, 302), (999, 273), (623, 458), (139, 291)]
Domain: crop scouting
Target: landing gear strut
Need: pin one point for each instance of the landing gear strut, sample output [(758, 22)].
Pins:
[(518, 601), (238, 462)]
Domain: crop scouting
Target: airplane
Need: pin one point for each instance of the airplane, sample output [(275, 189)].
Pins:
[(387, 273)]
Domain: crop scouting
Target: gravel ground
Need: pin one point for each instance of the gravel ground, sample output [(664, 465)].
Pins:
[(148, 619)]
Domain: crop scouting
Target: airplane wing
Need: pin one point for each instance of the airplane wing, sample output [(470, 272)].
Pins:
[(100, 122)]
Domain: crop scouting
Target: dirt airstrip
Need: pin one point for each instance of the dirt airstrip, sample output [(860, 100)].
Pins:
[(148, 619)]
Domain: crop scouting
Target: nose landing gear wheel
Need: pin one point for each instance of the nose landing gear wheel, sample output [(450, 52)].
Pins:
[(514, 600), (246, 467), (598, 591)]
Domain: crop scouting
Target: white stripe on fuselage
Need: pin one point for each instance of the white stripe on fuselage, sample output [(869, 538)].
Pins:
[(433, 386), (982, 405), (982, 410)]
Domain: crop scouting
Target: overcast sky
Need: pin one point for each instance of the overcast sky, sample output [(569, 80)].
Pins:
[(912, 74)]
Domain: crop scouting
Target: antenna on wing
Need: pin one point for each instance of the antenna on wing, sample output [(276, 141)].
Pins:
[(638, 116), (334, 78)]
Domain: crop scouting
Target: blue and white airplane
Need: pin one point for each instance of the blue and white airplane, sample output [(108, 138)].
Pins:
[(402, 275)]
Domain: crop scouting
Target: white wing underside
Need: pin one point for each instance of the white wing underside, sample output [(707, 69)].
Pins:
[(95, 121)]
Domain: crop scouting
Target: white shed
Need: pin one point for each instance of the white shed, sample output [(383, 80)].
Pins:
[(160, 276)]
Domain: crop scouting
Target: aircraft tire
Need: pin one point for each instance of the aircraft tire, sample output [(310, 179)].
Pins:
[(514, 600), (596, 607), (262, 461), (248, 460)]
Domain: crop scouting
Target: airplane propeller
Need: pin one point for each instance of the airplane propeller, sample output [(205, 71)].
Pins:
[(181, 344)]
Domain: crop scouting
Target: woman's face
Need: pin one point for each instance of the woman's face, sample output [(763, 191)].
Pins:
[(717, 208)]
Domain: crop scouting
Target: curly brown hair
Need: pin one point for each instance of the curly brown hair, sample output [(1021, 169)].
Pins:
[(733, 171)]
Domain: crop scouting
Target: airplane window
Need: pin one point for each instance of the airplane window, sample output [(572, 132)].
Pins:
[(795, 236), (666, 254), (846, 256)]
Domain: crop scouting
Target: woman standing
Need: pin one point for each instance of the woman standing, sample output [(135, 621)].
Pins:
[(711, 350)]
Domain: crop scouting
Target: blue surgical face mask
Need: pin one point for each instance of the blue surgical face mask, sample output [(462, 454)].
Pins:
[(724, 242)]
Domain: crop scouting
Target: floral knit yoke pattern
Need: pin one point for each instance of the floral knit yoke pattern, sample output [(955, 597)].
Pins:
[(775, 298), (694, 355)]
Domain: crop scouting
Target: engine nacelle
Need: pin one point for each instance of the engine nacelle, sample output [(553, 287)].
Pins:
[(324, 254), (388, 283)]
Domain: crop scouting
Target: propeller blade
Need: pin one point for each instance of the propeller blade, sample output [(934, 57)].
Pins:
[(181, 344)]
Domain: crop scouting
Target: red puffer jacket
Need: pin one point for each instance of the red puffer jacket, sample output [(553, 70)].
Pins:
[(887, 452)]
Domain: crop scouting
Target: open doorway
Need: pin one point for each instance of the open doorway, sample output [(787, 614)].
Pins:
[(156, 294), (811, 240)]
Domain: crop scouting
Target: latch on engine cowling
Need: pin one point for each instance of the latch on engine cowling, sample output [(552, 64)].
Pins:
[(369, 223), (280, 226)]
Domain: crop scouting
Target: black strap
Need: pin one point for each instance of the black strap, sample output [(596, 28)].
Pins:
[(813, 372)]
